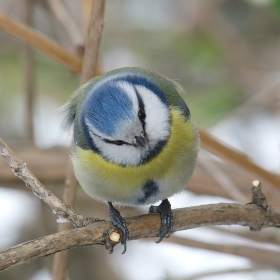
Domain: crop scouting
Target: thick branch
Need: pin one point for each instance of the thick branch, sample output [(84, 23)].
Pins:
[(143, 226)]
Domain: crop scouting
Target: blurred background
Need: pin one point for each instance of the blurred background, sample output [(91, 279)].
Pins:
[(226, 53)]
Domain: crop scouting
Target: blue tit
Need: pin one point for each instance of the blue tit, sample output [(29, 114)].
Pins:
[(134, 142)]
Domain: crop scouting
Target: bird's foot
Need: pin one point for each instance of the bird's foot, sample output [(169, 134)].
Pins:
[(118, 221), (166, 218)]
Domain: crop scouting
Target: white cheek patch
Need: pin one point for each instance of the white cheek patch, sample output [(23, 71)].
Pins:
[(157, 115), (123, 154)]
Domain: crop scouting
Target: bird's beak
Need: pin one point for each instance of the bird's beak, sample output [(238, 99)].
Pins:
[(141, 141)]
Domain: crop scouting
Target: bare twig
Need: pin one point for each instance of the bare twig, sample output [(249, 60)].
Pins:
[(40, 42), (20, 169)]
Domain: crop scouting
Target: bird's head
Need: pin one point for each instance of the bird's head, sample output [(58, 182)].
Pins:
[(126, 119)]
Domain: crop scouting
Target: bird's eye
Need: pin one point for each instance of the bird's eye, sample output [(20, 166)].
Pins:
[(141, 115)]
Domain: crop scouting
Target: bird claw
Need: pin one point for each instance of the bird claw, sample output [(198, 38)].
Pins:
[(166, 218), (118, 221)]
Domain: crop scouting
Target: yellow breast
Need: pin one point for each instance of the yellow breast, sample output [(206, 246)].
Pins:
[(107, 181)]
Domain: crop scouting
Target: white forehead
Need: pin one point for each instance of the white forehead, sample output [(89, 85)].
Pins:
[(129, 89)]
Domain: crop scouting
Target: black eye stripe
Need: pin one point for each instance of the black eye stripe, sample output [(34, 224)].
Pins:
[(116, 142), (141, 111)]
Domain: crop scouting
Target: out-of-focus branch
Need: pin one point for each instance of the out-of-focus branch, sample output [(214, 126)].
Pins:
[(40, 42), (29, 75), (222, 272), (59, 268), (223, 180), (269, 236), (259, 255), (67, 22), (96, 24), (216, 147), (87, 7)]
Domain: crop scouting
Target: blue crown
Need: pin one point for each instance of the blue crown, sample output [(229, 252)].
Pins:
[(106, 106)]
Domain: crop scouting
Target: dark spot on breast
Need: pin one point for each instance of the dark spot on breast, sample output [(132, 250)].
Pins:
[(149, 189)]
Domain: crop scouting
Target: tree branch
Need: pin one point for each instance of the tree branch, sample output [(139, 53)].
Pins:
[(143, 226)]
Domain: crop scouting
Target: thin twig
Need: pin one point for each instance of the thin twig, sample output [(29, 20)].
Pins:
[(20, 169)]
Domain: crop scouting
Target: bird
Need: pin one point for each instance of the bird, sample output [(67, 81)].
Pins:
[(134, 142)]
